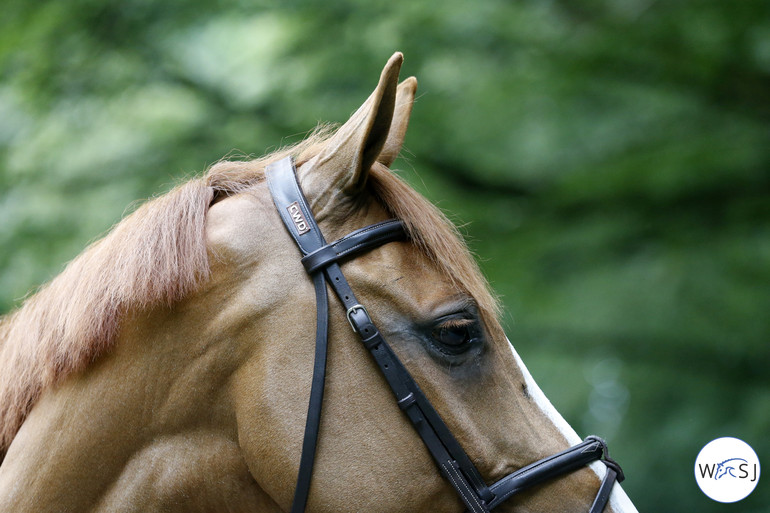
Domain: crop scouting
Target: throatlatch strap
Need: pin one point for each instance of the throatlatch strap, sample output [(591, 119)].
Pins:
[(300, 223), (313, 420)]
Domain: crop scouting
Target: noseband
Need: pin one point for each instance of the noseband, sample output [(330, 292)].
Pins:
[(321, 260)]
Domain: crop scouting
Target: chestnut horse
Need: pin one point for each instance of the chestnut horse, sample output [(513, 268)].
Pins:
[(167, 367)]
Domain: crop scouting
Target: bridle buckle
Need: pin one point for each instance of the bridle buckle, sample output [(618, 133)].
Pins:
[(351, 311)]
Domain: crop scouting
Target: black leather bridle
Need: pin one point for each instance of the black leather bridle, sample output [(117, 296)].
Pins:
[(321, 260)]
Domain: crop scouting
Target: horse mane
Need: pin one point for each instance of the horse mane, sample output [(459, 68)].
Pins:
[(155, 257)]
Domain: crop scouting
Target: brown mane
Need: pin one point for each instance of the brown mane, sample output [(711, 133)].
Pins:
[(156, 256)]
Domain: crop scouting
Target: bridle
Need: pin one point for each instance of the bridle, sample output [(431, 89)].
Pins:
[(321, 260)]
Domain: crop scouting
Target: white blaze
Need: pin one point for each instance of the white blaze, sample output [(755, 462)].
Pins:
[(619, 501)]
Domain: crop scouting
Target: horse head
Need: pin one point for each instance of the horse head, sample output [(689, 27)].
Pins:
[(198, 399), (430, 302), (726, 468)]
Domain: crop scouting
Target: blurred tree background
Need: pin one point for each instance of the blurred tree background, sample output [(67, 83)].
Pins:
[(609, 162)]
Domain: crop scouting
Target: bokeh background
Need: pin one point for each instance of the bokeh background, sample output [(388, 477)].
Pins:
[(608, 160)]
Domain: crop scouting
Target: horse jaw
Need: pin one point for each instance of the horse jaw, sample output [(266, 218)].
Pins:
[(619, 501)]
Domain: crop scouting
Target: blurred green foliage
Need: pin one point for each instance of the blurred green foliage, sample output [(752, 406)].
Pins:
[(611, 161)]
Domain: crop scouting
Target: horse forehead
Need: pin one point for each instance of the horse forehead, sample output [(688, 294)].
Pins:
[(400, 272)]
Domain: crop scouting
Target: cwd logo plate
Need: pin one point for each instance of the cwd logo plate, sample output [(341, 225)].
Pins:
[(300, 223), (727, 469)]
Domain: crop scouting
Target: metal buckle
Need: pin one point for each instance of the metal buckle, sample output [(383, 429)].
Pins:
[(352, 310)]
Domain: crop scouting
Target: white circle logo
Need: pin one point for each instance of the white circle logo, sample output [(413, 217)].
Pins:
[(727, 469)]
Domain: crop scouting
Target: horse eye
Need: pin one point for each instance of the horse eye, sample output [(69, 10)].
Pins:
[(452, 335), (455, 335)]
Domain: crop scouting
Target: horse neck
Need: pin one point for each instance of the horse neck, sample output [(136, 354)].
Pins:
[(163, 386)]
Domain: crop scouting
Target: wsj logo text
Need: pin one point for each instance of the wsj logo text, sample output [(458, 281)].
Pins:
[(737, 468)]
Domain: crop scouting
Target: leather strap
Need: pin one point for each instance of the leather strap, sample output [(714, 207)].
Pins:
[(591, 449), (603, 495), (354, 243), (313, 419), (287, 197), (294, 211)]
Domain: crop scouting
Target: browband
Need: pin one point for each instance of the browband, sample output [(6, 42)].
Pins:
[(321, 260), (354, 243)]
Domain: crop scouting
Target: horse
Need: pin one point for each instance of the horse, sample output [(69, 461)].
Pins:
[(167, 367)]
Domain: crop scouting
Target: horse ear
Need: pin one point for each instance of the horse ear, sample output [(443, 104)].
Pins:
[(404, 103), (344, 162)]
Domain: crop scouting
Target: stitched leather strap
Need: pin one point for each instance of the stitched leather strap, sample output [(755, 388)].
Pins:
[(292, 205), (591, 449), (354, 243)]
